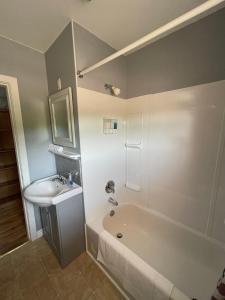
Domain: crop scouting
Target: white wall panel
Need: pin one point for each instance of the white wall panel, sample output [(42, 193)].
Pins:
[(103, 155), (181, 167), (181, 139)]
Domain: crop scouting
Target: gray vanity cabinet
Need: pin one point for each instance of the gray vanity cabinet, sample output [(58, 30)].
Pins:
[(63, 228)]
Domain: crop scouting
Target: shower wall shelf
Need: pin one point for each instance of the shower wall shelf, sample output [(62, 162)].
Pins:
[(133, 187)]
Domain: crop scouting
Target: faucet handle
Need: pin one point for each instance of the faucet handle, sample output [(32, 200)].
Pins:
[(69, 174), (110, 187), (62, 179)]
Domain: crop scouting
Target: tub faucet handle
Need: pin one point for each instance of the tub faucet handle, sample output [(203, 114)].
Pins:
[(110, 187)]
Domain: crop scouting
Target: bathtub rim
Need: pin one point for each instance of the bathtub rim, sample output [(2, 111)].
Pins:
[(97, 223)]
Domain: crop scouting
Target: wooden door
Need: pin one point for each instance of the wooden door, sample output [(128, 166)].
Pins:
[(12, 223)]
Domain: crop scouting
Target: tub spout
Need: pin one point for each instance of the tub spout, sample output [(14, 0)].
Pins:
[(112, 201)]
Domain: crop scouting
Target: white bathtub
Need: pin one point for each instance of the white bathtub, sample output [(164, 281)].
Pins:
[(190, 261)]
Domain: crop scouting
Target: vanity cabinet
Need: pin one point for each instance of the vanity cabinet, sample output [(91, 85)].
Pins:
[(63, 228)]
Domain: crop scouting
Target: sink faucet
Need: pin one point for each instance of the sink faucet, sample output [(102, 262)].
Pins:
[(69, 177), (112, 201), (60, 179)]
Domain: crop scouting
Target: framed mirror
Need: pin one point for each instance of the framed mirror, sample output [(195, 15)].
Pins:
[(62, 119)]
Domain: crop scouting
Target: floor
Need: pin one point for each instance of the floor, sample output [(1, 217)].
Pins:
[(32, 272), (12, 224)]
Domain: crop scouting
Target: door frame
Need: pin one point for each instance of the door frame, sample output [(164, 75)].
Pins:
[(11, 85)]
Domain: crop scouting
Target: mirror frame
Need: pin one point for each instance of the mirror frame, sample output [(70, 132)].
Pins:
[(63, 95)]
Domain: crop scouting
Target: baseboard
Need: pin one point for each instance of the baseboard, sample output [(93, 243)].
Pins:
[(39, 233)]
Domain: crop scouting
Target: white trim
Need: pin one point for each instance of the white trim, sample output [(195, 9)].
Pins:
[(161, 31), (39, 233), (74, 52), (11, 85), (21, 44)]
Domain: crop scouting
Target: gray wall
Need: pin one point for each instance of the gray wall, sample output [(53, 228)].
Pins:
[(29, 68), (89, 50), (65, 165), (188, 57), (193, 55), (60, 62)]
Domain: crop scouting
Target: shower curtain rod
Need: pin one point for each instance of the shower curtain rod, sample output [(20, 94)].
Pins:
[(156, 33)]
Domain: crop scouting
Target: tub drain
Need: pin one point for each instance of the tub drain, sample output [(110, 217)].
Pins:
[(119, 235)]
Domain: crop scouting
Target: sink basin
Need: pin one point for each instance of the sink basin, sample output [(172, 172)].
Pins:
[(50, 191)]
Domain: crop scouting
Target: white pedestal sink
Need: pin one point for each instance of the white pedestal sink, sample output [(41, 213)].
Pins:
[(50, 191)]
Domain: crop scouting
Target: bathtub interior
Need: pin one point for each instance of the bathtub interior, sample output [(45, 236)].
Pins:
[(192, 262)]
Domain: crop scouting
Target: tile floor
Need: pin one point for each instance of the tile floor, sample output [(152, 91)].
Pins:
[(33, 273)]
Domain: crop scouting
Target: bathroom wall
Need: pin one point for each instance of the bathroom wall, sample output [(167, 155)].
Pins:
[(89, 50), (103, 155), (191, 56), (60, 63), (29, 68), (65, 165), (183, 143), (178, 81)]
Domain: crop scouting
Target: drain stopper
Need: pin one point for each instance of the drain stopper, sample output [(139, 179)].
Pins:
[(119, 235)]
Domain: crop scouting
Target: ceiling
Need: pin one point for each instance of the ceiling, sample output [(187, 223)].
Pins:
[(37, 23)]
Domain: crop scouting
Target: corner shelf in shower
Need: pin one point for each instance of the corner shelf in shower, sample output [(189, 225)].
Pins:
[(133, 187), (134, 146)]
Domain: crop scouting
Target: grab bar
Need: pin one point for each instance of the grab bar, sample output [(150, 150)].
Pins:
[(135, 146)]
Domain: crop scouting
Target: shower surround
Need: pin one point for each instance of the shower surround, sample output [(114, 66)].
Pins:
[(180, 167)]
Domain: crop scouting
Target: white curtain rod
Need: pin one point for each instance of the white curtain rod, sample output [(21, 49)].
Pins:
[(156, 33)]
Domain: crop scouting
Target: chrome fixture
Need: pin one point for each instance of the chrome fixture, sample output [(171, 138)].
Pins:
[(114, 91), (72, 174), (67, 177), (119, 235), (79, 74), (112, 213), (112, 201), (70, 178), (110, 187), (60, 179)]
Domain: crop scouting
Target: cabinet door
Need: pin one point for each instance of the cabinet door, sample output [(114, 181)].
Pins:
[(46, 223), (70, 215), (54, 229)]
